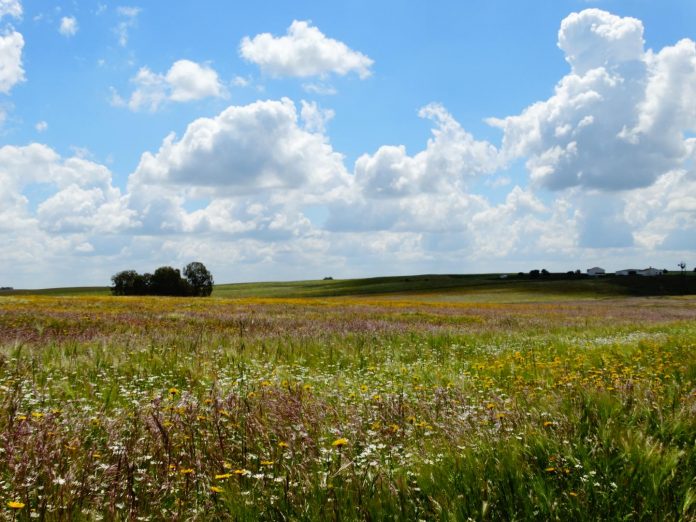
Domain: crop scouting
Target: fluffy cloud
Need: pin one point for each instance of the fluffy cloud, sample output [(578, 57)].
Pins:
[(185, 81), (235, 218), (68, 26), (11, 71), (61, 219), (451, 157), (10, 8), (617, 121), (524, 226), (254, 167), (82, 197), (38, 163), (191, 81), (78, 209), (304, 51), (260, 146), (594, 38), (668, 108), (664, 215), (314, 117)]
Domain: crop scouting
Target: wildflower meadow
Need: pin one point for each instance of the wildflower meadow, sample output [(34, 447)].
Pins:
[(151, 408)]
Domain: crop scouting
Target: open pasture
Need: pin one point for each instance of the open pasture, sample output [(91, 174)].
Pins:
[(347, 408)]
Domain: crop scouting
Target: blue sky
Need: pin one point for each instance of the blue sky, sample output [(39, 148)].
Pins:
[(292, 140)]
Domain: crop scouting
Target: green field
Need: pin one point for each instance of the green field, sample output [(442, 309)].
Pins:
[(476, 287), (415, 398)]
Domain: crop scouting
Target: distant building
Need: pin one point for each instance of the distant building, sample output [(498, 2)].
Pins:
[(647, 272), (595, 271)]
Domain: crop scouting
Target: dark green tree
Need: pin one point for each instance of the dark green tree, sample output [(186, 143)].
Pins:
[(167, 281), (199, 279), (128, 282)]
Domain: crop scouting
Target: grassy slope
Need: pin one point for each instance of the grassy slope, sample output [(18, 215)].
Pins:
[(468, 287), (67, 291), (487, 287)]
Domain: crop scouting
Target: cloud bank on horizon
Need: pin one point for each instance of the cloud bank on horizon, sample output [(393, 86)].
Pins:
[(605, 168)]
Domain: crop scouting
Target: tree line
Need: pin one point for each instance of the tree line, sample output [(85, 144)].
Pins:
[(196, 281)]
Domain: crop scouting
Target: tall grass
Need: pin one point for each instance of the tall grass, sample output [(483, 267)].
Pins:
[(157, 409)]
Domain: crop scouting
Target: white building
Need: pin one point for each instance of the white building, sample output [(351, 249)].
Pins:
[(627, 271), (595, 271), (648, 272)]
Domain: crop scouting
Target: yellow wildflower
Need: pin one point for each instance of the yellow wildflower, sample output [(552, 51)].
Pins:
[(186, 471), (14, 504), (223, 476), (173, 391), (338, 443), (216, 489)]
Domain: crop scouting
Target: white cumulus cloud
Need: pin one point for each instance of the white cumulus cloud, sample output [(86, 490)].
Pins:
[(452, 156), (618, 120), (304, 51), (664, 214), (68, 26), (10, 8), (246, 148), (82, 197), (11, 71), (185, 81), (191, 81), (594, 38)]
